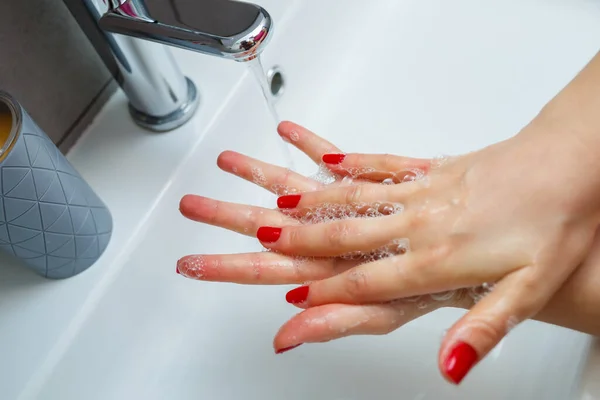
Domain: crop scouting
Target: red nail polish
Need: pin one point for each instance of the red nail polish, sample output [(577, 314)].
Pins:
[(460, 361), (267, 234), (333, 158), (289, 201), (298, 295), (281, 351)]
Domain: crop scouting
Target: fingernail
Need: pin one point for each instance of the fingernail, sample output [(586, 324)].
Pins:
[(459, 362), (268, 234), (289, 201), (333, 158), (298, 295), (281, 351)]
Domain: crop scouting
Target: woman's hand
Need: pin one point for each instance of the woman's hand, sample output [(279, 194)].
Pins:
[(522, 214), (289, 270), (270, 268), (493, 216), (247, 219)]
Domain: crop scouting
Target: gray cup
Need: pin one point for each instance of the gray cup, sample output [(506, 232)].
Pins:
[(50, 218)]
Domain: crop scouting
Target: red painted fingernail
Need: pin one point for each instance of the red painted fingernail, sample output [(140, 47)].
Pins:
[(333, 158), (289, 201), (268, 234), (460, 361), (298, 295), (281, 351)]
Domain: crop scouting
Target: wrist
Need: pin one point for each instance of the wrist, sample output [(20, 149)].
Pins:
[(564, 156)]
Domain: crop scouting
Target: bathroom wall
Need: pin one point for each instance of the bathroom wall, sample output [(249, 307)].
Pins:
[(49, 65)]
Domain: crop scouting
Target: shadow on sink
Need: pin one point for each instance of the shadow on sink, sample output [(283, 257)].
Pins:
[(15, 277)]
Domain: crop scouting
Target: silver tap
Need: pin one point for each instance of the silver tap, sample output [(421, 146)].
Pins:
[(160, 97)]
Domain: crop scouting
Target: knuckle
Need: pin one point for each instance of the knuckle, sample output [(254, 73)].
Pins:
[(285, 177), (337, 235), (532, 292), (354, 194), (487, 329), (438, 255), (530, 284), (257, 266), (357, 283), (299, 269), (420, 270), (252, 219), (401, 270), (294, 237), (420, 265), (413, 220)]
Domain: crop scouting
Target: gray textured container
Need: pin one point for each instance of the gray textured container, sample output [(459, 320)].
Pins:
[(50, 218)]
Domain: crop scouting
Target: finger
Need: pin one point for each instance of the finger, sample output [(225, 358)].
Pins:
[(304, 140), (238, 218), (377, 167), (264, 268), (514, 299), (276, 179), (356, 194), (336, 238), (397, 276), (334, 321)]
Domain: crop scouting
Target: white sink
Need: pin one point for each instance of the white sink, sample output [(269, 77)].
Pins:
[(420, 78)]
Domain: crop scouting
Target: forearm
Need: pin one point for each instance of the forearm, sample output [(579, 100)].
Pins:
[(567, 134), (569, 129), (576, 109)]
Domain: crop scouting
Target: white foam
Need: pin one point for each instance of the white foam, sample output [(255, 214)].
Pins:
[(194, 267), (258, 176), (324, 175)]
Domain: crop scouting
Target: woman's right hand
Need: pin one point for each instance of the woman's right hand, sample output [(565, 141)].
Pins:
[(269, 268), (342, 320)]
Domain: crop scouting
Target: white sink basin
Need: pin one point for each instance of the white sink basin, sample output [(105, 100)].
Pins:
[(419, 78)]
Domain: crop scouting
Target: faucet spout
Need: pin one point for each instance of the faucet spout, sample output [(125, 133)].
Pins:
[(134, 32), (223, 28)]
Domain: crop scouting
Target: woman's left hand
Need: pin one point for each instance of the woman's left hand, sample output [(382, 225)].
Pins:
[(269, 268), (494, 216), (459, 235)]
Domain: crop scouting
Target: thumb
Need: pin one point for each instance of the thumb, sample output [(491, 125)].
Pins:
[(514, 299)]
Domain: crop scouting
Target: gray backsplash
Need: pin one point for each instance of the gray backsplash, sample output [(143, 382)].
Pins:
[(49, 65)]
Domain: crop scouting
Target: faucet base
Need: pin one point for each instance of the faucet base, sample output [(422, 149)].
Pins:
[(172, 120)]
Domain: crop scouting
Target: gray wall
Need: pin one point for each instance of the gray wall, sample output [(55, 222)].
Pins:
[(49, 65)]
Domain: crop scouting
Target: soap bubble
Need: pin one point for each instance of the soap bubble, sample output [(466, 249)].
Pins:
[(258, 176), (334, 212)]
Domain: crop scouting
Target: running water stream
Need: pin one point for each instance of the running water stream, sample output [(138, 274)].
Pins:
[(257, 70)]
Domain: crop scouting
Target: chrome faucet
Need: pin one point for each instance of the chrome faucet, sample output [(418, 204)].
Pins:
[(160, 97)]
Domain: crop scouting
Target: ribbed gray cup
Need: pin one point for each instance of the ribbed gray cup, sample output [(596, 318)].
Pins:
[(50, 218)]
